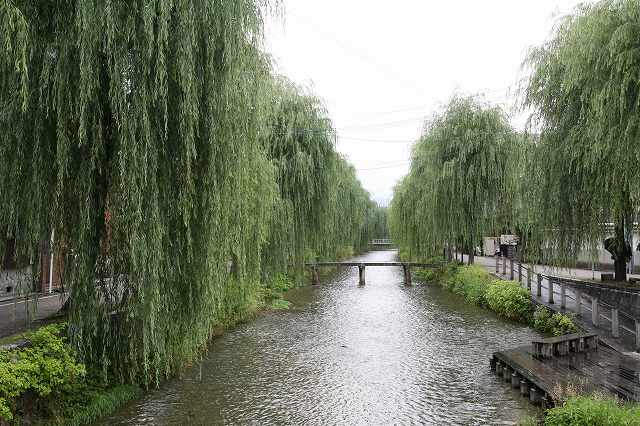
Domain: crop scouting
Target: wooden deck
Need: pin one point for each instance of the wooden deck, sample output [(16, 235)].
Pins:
[(603, 370)]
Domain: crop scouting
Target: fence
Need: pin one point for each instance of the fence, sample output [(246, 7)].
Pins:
[(548, 288)]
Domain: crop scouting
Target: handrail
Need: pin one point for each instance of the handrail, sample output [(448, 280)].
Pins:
[(616, 327)]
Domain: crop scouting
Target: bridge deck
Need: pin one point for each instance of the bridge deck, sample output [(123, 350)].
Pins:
[(605, 371), (411, 264)]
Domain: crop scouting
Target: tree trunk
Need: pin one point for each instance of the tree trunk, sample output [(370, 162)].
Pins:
[(620, 266), (620, 257)]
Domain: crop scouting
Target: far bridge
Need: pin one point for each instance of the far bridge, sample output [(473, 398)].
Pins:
[(406, 266), (381, 243)]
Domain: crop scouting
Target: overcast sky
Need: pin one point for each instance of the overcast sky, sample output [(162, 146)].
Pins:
[(382, 68)]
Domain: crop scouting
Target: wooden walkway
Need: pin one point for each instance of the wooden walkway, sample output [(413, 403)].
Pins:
[(406, 266), (605, 370)]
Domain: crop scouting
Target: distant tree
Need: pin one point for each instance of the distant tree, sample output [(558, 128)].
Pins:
[(459, 179), (584, 86)]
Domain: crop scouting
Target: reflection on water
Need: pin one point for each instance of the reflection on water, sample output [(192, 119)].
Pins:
[(379, 354)]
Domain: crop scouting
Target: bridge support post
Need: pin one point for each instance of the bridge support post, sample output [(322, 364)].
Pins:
[(361, 271), (550, 292), (578, 295), (497, 265), (407, 274), (563, 296), (529, 272), (504, 265), (315, 278)]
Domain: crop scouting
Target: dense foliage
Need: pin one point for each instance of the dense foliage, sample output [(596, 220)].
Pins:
[(593, 411), (47, 369), (177, 172), (461, 177), (585, 89)]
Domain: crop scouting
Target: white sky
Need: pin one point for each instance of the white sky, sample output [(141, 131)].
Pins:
[(382, 68)]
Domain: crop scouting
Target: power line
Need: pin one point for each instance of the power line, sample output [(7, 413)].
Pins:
[(392, 141), (387, 123), (388, 166)]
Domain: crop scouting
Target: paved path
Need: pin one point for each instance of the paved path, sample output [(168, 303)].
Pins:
[(626, 342), (14, 313)]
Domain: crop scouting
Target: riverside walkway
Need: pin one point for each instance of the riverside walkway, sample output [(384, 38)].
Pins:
[(18, 314), (566, 290)]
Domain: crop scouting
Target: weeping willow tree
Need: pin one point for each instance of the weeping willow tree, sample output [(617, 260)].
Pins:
[(347, 219), (585, 88), (460, 179), (322, 210), (300, 144), (174, 168), (128, 127)]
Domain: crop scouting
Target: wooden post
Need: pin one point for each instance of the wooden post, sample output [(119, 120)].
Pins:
[(539, 290), (519, 272), (361, 271), (407, 274), (637, 335), (550, 292), (504, 265), (563, 296), (497, 265), (578, 294), (615, 323), (595, 315), (315, 278), (515, 380), (529, 272), (511, 269)]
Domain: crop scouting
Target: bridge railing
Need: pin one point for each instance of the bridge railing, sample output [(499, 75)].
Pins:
[(381, 241)]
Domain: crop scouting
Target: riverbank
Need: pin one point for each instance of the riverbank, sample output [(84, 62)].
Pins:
[(509, 300), (43, 382), (506, 299)]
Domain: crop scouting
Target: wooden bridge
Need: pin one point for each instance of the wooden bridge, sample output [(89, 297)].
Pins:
[(406, 266)]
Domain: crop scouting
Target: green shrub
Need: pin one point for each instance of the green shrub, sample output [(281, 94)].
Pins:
[(509, 300), (593, 411), (46, 369), (545, 321), (471, 282), (426, 275), (99, 403), (273, 291)]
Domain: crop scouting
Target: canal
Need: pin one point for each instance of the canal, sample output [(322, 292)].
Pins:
[(379, 354)]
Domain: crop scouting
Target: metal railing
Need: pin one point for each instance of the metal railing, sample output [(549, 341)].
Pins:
[(619, 322)]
